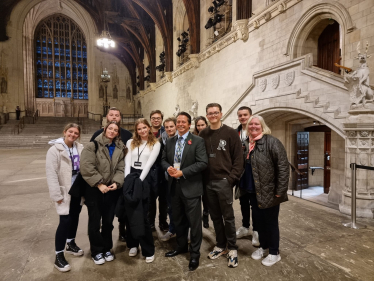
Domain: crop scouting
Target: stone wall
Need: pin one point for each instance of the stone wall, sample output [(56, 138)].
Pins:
[(338, 163)]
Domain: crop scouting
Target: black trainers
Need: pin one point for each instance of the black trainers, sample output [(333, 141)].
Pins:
[(61, 264), (73, 249), (108, 256), (98, 259)]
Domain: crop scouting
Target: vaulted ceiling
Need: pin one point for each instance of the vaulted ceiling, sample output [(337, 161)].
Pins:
[(132, 25)]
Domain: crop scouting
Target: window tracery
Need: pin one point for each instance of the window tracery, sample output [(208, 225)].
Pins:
[(61, 59)]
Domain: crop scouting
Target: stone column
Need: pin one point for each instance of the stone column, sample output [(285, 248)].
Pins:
[(359, 149)]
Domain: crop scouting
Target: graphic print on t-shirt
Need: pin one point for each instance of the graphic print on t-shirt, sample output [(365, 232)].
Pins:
[(221, 145)]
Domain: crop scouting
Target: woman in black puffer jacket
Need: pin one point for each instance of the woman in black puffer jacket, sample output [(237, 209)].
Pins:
[(266, 174)]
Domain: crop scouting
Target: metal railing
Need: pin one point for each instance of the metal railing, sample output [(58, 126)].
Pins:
[(297, 171), (353, 223), (35, 116), (19, 127), (128, 120), (93, 115)]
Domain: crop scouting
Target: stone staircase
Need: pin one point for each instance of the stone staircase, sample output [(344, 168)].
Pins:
[(45, 129)]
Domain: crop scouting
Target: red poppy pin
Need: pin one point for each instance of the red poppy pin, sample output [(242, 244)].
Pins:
[(189, 142)]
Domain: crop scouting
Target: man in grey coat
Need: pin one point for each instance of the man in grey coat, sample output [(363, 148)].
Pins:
[(184, 158)]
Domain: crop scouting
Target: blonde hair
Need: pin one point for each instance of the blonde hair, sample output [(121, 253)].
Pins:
[(73, 125), (137, 140), (265, 129)]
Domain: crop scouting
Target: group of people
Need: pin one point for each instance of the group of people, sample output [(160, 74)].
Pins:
[(119, 174)]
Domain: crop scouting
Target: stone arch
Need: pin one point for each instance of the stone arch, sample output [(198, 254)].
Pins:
[(324, 118), (311, 18), (25, 18)]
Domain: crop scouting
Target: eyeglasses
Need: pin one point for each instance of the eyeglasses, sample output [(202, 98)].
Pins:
[(213, 113), (155, 118)]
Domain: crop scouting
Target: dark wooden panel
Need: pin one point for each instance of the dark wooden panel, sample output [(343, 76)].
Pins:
[(329, 48), (243, 9), (327, 165)]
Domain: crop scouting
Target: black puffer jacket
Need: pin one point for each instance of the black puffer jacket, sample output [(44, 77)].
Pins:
[(270, 171)]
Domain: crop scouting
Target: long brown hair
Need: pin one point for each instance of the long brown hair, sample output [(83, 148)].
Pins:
[(137, 140), (197, 119)]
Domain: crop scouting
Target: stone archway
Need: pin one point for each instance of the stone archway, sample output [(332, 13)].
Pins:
[(285, 122), (311, 19)]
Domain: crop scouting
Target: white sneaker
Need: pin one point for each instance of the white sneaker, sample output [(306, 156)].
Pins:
[(271, 259), (167, 236), (241, 232), (133, 252), (150, 259), (258, 254), (255, 239)]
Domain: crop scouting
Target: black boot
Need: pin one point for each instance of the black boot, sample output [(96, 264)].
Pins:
[(205, 220), (122, 232), (60, 263)]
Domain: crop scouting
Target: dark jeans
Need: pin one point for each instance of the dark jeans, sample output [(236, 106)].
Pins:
[(170, 212), (162, 204), (146, 242), (267, 226), (67, 228), (205, 202), (246, 201), (187, 214), (103, 210), (220, 198)]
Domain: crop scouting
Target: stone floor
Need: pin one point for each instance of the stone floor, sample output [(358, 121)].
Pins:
[(314, 245)]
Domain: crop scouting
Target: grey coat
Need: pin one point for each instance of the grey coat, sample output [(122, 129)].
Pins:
[(99, 166), (270, 171)]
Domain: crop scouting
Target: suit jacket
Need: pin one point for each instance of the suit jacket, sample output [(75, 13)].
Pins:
[(194, 161)]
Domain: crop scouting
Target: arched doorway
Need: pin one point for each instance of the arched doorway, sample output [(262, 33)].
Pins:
[(314, 149)]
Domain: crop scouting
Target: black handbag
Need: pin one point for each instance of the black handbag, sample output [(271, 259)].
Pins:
[(78, 189)]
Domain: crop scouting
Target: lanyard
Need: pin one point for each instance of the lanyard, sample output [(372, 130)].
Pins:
[(71, 152), (139, 154)]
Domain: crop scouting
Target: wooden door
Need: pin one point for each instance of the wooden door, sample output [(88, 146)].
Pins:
[(302, 159), (327, 165), (329, 48)]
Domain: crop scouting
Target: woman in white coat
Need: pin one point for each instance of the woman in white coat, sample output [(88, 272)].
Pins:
[(62, 168)]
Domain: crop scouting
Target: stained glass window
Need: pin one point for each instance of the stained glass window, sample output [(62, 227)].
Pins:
[(61, 59)]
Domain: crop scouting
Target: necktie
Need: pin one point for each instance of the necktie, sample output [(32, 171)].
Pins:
[(178, 153)]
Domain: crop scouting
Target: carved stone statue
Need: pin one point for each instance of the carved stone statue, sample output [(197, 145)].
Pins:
[(101, 92), (358, 84), (177, 110), (4, 85), (115, 92), (193, 109)]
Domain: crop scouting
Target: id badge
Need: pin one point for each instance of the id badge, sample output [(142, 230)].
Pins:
[(212, 155), (177, 165), (137, 164)]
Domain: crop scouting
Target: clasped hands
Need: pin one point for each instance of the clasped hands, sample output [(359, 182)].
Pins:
[(104, 189), (175, 173)]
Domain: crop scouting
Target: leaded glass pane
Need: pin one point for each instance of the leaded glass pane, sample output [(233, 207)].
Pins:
[(60, 48)]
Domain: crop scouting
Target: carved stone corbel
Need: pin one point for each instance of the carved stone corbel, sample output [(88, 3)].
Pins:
[(195, 60), (153, 86), (241, 28), (169, 76)]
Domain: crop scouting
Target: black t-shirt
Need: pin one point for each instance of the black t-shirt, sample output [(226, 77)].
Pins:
[(125, 135)]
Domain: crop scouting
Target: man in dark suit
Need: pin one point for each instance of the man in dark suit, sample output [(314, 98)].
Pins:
[(184, 158)]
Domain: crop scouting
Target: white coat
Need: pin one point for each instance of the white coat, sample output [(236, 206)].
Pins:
[(59, 174)]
